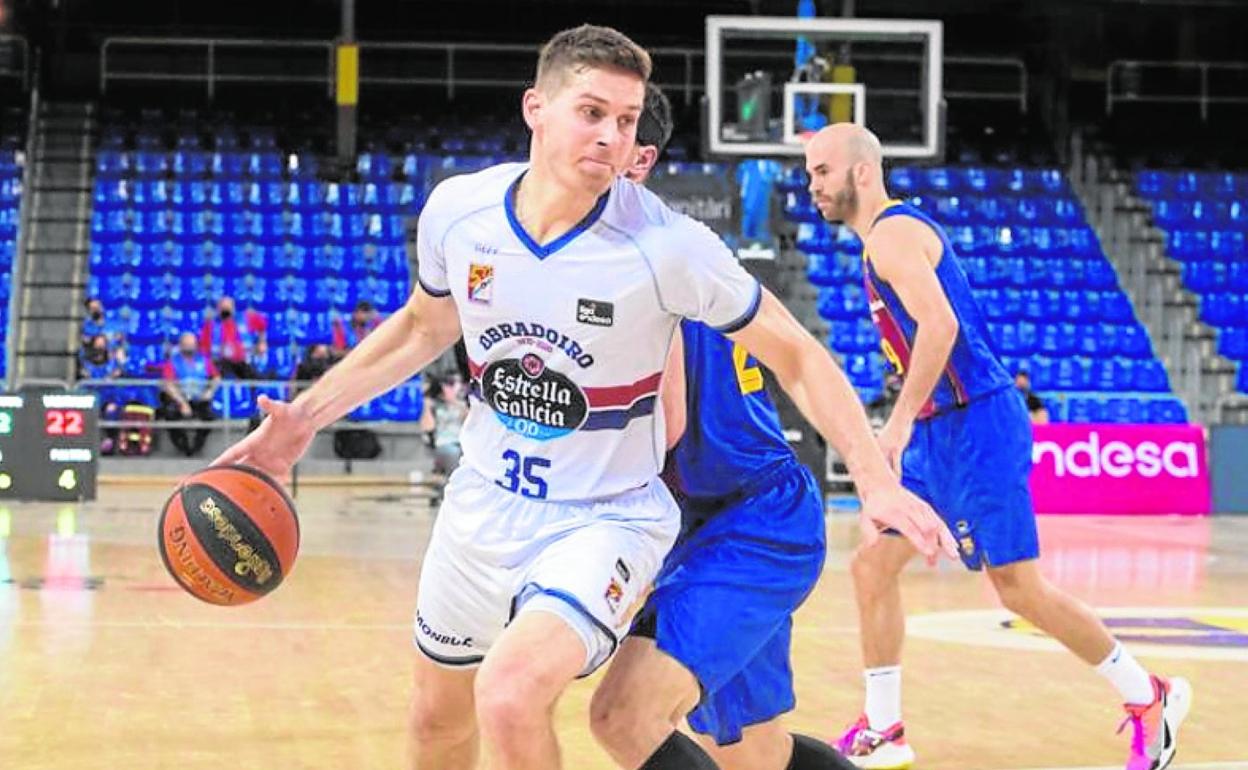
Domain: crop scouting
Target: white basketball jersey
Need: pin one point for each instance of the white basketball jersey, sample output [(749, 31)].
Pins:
[(566, 342)]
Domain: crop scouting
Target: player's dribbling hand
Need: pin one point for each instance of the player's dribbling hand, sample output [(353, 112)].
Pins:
[(277, 444), (896, 508), (893, 439)]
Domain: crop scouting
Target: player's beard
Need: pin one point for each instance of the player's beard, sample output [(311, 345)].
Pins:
[(844, 203)]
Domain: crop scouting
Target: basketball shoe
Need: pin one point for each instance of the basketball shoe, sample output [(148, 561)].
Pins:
[(872, 750), (1155, 726)]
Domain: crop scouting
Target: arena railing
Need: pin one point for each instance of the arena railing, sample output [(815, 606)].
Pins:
[(232, 424), (450, 66), (17, 270), (1124, 83)]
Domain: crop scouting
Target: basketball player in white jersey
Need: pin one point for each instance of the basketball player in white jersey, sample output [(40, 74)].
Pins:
[(567, 284)]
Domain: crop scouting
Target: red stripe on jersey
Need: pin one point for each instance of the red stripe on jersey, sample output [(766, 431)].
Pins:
[(623, 395)]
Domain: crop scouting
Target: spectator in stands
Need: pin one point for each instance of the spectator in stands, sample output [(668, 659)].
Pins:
[(1035, 406), (444, 415), (362, 321), (96, 322), (315, 363), (93, 322), (99, 361), (190, 379), (261, 360), (227, 341), (96, 360)]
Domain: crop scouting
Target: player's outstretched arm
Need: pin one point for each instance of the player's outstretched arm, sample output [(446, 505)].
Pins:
[(400, 347), (903, 251), (397, 349), (806, 371)]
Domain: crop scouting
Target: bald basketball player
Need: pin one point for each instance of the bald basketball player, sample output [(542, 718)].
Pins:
[(960, 438)]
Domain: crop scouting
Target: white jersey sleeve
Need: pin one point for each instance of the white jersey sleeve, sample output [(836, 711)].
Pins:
[(697, 275), (431, 231)]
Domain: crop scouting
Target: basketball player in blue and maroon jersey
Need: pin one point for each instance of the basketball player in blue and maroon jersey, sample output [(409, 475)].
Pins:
[(750, 550), (960, 437)]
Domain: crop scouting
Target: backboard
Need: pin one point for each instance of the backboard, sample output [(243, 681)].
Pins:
[(771, 79)]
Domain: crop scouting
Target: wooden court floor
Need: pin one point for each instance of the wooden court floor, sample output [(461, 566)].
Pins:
[(105, 664)]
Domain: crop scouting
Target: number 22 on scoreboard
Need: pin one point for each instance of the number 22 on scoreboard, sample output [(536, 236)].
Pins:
[(57, 422)]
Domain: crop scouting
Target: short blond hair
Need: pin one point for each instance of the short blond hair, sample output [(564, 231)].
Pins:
[(588, 47)]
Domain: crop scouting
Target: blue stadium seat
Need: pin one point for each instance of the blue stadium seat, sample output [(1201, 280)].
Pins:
[(164, 256), (1072, 374), (206, 257), (190, 164), (162, 290), (1041, 369), (901, 181), (1223, 309), (302, 166), (865, 370), (1150, 377), (1153, 184), (842, 302), (841, 336), (373, 166), (1233, 343), (866, 336), (235, 400), (1237, 277), (1133, 341), (343, 197), (207, 289), (290, 258), (1203, 277), (1228, 245), (403, 404), (291, 290), (1166, 411), (1085, 410), (263, 165), (148, 164), (226, 165), (1116, 307), (989, 300), (1124, 410)]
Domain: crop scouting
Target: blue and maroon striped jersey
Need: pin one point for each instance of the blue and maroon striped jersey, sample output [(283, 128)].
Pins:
[(973, 370)]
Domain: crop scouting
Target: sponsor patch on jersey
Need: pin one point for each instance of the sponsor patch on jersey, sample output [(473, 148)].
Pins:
[(614, 594), (623, 570), (531, 399), (595, 312), (480, 283)]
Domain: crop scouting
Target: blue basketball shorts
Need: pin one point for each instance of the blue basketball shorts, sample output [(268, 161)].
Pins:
[(973, 466), (723, 602)]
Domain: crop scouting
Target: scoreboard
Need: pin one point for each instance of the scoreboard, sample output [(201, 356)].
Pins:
[(49, 446)]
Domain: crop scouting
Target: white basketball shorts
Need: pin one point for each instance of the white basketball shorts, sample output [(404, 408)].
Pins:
[(494, 554)]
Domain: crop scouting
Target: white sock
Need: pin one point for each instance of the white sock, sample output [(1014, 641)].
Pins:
[(883, 707), (1126, 674)]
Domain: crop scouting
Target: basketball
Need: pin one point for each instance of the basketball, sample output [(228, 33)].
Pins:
[(228, 535)]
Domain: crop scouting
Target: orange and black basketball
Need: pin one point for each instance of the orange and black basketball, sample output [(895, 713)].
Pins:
[(229, 535)]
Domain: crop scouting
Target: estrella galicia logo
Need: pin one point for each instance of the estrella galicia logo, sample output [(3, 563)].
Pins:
[(532, 400), (595, 312)]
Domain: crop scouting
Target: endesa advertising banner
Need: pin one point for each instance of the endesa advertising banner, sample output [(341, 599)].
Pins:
[(1120, 469)]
